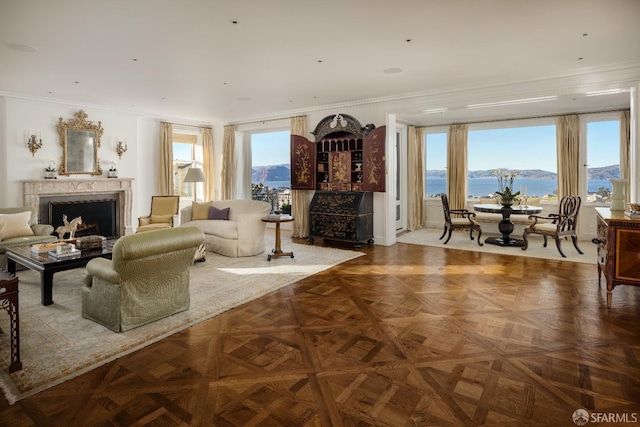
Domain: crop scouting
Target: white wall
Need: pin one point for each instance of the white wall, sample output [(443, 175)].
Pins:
[(20, 115)]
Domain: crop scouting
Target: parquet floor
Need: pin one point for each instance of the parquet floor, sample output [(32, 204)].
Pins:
[(404, 336)]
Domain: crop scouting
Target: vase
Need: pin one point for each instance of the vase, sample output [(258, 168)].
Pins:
[(506, 203), (617, 196)]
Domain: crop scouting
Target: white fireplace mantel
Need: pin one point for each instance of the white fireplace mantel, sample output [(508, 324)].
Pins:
[(33, 189)]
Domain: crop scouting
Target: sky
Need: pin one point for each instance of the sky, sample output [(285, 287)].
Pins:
[(509, 148), (526, 147), (270, 148)]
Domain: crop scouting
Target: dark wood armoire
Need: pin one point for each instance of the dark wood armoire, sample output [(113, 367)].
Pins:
[(345, 165)]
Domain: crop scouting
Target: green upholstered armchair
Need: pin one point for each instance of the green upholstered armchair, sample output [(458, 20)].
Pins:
[(147, 278), (22, 234)]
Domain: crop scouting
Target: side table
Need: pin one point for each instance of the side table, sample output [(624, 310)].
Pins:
[(277, 220), (9, 301)]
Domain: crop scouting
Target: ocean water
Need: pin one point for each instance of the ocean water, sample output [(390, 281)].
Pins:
[(487, 186)]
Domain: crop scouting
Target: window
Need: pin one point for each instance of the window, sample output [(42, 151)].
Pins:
[(526, 147), (187, 152), (603, 156), (435, 163), (271, 169)]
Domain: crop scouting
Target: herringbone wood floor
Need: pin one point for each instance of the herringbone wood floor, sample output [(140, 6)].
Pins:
[(404, 336)]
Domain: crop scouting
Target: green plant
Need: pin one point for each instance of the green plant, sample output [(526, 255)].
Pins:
[(505, 183)]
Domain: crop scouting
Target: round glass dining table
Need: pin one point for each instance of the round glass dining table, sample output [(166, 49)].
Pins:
[(505, 225)]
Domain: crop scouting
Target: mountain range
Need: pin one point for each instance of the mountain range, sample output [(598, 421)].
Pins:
[(283, 173)]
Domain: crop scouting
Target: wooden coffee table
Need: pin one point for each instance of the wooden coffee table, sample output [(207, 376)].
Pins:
[(47, 265)]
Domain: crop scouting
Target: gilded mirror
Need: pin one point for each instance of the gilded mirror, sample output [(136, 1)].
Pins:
[(80, 140)]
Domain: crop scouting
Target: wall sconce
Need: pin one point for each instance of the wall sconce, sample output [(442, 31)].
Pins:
[(34, 143), (121, 149)]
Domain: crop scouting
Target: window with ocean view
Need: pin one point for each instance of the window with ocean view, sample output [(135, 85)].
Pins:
[(270, 168), (435, 163), (603, 156), (528, 149)]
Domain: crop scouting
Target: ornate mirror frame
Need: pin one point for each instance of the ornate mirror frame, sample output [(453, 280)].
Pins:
[(80, 140)]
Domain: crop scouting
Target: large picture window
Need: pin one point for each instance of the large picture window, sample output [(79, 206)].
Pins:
[(525, 147), (435, 163), (602, 141), (271, 169)]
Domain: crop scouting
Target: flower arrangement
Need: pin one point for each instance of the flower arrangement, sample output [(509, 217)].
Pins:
[(51, 166), (505, 183)]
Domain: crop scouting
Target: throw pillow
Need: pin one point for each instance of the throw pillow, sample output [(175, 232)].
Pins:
[(160, 219), (15, 225), (215, 213), (200, 210)]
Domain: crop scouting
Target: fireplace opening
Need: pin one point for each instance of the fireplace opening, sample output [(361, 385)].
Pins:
[(98, 216)]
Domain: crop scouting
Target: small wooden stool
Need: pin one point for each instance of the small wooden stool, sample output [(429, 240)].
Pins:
[(9, 301)]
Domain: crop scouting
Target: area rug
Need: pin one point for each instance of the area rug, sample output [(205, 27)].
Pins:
[(460, 240), (57, 344)]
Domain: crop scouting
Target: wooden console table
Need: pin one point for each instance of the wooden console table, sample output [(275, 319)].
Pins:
[(618, 249), (9, 301)]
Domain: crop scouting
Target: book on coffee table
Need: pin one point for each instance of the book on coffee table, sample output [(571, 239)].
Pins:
[(43, 248)]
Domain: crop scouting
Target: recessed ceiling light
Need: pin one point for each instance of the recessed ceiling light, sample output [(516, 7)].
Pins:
[(134, 59), (22, 47), (585, 34), (320, 60), (392, 71), (580, 59), (408, 40), (234, 21), (76, 82)]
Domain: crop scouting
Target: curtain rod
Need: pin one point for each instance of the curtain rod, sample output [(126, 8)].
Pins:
[(526, 118), (191, 126), (265, 121)]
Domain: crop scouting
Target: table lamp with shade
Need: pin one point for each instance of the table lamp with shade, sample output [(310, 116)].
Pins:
[(194, 175)]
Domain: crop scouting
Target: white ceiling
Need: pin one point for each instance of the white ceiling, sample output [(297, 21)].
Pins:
[(186, 59)]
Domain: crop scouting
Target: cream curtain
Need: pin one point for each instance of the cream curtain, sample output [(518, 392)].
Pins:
[(457, 166), (165, 169), (300, 198), (207, 163), (228, 162), (568, 142), (625, 143), (416, 215)]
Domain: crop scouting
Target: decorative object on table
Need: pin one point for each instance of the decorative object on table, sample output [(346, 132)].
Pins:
[(633, 210), (34, 142), (43, 248), (121, 148), (358, 167), (68, 227), (505, 184), (67, 250), (91, 242), (194, 175), (50, 170), (113, 172), (617, 196)]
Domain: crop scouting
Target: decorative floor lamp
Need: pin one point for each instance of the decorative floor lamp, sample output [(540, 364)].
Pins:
[(194, 175)]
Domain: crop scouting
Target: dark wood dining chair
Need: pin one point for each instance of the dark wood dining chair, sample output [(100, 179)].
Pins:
[(560, 225), (458, 219)]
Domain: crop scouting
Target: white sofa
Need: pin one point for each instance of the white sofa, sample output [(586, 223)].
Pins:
[(241, 235)]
